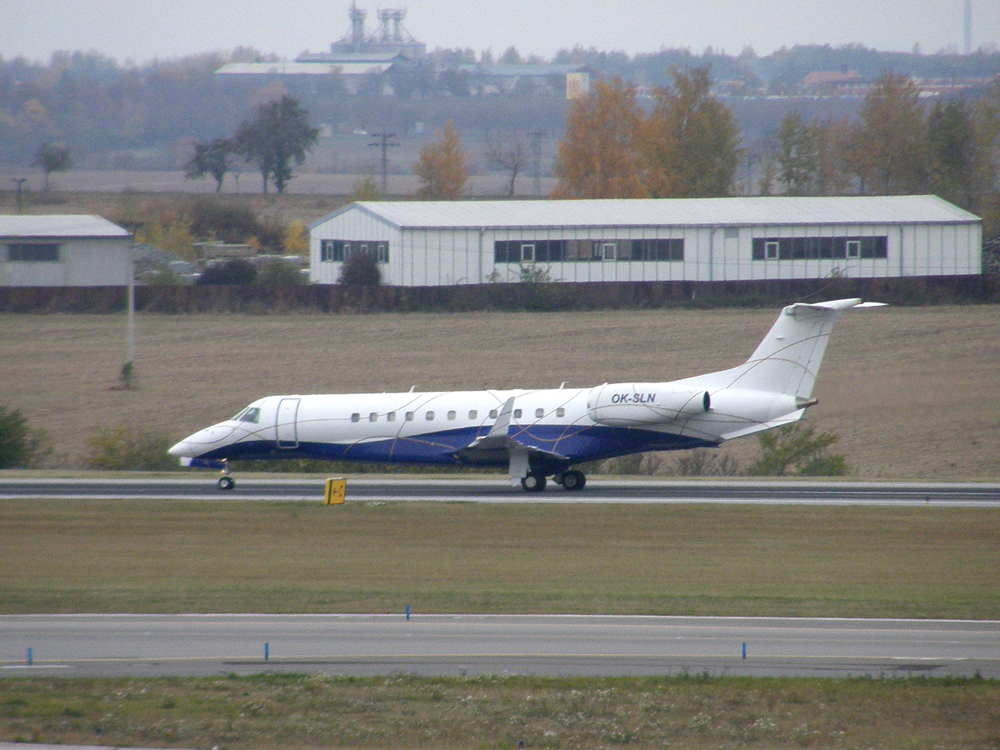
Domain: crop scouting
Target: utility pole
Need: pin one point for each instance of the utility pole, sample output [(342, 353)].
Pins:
[(383, 140), (536, 155), (128, 374), (19, 181)]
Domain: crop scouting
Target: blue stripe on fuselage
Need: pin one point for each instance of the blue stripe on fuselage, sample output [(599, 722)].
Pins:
[(577, 444)]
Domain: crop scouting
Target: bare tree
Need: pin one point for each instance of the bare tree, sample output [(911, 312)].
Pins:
[(510, 156)]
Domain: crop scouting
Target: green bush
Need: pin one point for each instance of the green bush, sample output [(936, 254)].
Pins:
[(20, 446), (797, 450), (702, 462), (634, 464), (361, 269), (278, 272), (130, 449)]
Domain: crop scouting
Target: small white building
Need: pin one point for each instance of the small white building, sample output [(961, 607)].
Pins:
[(67, 250), (699, 239)]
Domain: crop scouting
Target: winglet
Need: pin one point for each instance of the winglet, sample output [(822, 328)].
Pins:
[(499, 427)]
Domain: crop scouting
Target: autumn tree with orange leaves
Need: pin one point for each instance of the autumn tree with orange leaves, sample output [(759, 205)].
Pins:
[(442, 168), (601, 155), (687, 147)]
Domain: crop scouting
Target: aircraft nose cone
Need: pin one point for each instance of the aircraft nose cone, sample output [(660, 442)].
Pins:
[(183, 448), (194, 445)]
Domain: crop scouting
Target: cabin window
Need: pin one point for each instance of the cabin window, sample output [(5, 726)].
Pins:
[(539, 413), (561, 412), (472, 414), (493, 413), (517, 413), (409, 416), (356, 417), (373, 417), (452, 414), (391, 416), (429, 416)]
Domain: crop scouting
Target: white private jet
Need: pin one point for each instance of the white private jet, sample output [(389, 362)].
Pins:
[(536, 434)]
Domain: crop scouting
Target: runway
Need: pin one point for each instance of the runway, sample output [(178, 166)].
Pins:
[(454, 645), (599, 489)]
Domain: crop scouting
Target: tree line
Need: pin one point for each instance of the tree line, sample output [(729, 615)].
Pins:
[(687, 145), (123, 116), (897, 145)]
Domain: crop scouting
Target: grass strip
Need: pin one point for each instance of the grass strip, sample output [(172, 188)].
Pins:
[(145, 557), (292, 711)]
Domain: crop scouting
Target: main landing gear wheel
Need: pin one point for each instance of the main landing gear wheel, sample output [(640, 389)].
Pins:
[(533, 483), (226, 483), (574, 480)]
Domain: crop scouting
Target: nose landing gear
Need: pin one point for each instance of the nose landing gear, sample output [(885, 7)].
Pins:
[(226, 482)]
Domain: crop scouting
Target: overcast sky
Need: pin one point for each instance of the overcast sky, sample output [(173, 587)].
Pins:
[(140, 30)]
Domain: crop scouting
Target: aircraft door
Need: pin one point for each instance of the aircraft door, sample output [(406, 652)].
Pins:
[(285, 423)]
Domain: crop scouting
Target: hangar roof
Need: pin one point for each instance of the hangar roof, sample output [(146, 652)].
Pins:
[(58, 226), (753, 211)]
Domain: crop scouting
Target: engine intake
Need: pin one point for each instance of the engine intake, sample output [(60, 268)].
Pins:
[(634, 404)]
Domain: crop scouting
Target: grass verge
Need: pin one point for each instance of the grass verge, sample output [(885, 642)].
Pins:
[(412, 712), (139, 556)]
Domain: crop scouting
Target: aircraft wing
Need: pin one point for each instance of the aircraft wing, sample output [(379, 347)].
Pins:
[(498, 445)]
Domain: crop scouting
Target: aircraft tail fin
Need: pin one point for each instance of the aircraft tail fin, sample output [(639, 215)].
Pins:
[(788, 359)]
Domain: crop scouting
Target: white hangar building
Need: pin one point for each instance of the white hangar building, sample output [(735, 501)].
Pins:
[(700, 239), (68, 250)]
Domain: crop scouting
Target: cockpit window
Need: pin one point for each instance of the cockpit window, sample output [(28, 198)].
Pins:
[(250, 415)]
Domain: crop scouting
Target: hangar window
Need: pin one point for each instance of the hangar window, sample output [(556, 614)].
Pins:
[(669, 250), (32, 252), (558, 251), (338, 251), (819, 248), (529, 251)]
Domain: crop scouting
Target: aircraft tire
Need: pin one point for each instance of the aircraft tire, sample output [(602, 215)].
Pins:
[(574, 480), (226, 483), (533, 483)]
